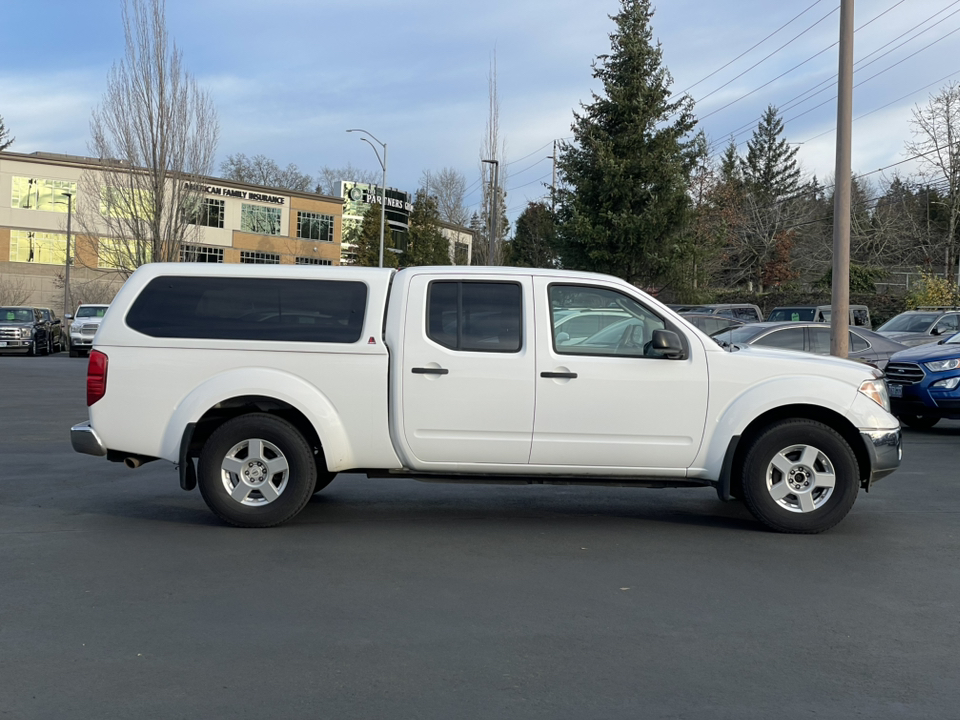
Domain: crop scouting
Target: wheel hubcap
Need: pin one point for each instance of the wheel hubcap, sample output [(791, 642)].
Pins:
[(255, 472), (801, 478)]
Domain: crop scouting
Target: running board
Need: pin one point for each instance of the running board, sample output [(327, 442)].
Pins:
[(586, 480)]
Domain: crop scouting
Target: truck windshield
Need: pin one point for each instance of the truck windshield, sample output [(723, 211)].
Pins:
[(17, 315), (91, 312), (909, 322)]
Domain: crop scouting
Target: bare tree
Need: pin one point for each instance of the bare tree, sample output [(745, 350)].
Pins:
[(936, 145), (261, 170), (492, 148), (328, 178), (5, 139), (449, 187), (155, 133), (13, 291)]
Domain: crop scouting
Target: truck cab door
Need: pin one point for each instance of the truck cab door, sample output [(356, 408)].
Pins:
[(467, 377), (610, 400)]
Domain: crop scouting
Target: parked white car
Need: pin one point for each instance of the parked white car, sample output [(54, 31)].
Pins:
[(266, 381)]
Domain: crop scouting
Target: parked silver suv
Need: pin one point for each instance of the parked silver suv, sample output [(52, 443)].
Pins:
[(919, 327), (84, 326)]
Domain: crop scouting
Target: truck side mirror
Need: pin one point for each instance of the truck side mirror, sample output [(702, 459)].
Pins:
[(68, 316), (666, 344)]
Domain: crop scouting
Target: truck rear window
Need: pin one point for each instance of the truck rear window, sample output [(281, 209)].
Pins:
[(275, 309)]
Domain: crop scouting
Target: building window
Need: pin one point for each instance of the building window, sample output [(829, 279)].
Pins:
[(314, 226), (128, 203), (201, 253), (259, 258), (313, 261), (259, 219), (38, 247), (42, 194), (209, 213), (123, 254)]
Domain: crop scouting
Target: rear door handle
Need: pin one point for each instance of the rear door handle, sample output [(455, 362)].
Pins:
[(430, 371), (558, 374)]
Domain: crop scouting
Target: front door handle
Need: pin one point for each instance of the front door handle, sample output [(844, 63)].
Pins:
[(430, 371), (558, 374)]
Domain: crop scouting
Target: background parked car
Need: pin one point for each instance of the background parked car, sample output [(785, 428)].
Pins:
[(924, 383), (55, 327), (743, 312), (918, 327), (859, 314), (582, 323), (811, 337), (85, 324), (25, 330), (710, 324)]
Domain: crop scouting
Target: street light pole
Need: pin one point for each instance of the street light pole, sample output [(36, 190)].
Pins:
[(66, 271), (494, 206), (383, 197)]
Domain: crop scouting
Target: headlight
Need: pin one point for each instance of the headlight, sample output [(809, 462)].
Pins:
[(876, 390), (941, 365), (26, 332), (948, 384)]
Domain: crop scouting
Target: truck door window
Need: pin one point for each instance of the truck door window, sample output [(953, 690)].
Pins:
[(475, 316), (629, 335)]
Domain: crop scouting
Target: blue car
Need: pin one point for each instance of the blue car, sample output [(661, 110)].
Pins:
[(924, 383)]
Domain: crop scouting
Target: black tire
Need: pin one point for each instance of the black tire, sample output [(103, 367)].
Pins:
[(48, 347), (73, 351), (295, 489), (812, 509), (919, 422), (32, 351)]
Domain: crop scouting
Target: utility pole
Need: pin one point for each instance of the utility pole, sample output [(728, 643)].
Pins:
[(553, 186), (840, 296), (494, 215), (383, 196)]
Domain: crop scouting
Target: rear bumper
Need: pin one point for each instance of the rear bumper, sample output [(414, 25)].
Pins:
[(85, 440), (885, 450)]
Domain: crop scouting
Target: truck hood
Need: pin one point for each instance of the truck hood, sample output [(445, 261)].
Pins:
[(930, 351), (810, 363), (16, 325)]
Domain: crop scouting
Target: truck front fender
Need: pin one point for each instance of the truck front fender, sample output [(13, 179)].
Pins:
[(267, 383), (818, 393)]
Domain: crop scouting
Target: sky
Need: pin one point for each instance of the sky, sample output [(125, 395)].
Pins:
[(289, 77)]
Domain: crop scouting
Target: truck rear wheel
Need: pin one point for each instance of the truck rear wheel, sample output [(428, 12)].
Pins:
[(800, 476), (256, 471)]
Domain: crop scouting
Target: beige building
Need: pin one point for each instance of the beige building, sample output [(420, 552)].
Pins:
[(236, 223)]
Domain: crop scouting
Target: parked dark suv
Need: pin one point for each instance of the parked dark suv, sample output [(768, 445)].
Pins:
[(25, 330), (56, 328)]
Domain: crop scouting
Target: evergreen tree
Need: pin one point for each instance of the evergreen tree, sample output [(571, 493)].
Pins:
[(534, 243), (426, 244), (366, 241), (770, 168), (626, 174), (5, 139), (730, 164)]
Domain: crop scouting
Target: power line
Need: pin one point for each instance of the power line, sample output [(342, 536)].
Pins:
[(764, 59), (800, 99), (754, 47), (882, 107)]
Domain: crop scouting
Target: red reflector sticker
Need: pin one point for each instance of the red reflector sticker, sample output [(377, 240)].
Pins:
[(371, 341)]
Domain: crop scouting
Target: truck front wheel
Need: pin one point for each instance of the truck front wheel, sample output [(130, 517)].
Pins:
[(800, 476), (256, 471)]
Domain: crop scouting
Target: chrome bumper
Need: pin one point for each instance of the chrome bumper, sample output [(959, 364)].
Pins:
[(885, 450), (85, 440)]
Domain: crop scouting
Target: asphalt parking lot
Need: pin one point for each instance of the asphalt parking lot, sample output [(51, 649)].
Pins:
[(122, 596)]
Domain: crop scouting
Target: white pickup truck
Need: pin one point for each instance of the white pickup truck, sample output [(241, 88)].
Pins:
[(263, 382)]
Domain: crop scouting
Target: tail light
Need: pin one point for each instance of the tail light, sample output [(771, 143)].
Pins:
[(96, 377)]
